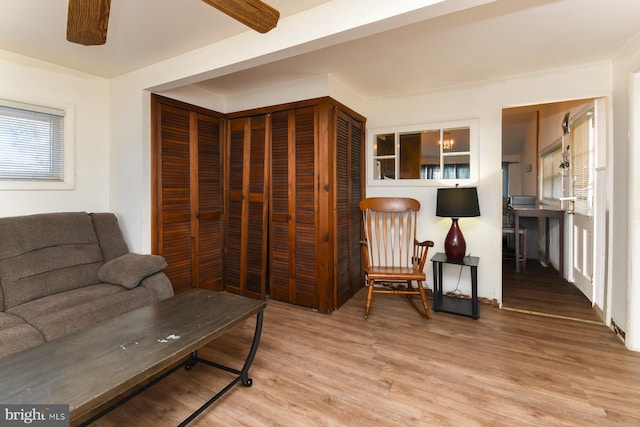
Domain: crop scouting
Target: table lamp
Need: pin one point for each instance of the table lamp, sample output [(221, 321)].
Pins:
[(456, 203)]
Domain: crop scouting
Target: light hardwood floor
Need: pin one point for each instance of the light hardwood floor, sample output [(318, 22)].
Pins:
[(399, 369)]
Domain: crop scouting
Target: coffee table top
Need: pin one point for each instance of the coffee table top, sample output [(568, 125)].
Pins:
[(92, 366)]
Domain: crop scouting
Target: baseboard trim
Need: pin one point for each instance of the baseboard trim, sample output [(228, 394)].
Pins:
[(619, 332), (556, 316)]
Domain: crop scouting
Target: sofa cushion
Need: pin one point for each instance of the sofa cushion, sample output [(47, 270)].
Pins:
[(47, 253), (16, 335), (130, 269), (67, 312)]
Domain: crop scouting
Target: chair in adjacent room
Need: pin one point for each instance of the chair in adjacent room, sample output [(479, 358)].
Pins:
[(508, 230), (393, 258)]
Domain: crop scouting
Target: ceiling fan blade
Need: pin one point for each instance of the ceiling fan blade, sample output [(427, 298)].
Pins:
[(87, 21), (252, 13)]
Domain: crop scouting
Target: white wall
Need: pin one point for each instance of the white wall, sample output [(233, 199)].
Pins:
[(484, 101), (25, 78), (624, 273)]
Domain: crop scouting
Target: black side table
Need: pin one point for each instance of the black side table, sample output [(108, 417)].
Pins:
[(454, 305)]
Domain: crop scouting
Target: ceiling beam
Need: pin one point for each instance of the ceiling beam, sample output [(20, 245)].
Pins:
[(87, 21), (252, 13)]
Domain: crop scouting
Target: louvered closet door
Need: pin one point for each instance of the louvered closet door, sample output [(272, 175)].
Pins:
[(209, 204), (247, 203), (282, 228), (357, 161), (293, 275), (348, 219), (174, 213), (187, 196)]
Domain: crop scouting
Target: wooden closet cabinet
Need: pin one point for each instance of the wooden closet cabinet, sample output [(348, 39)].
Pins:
[(187, 193), (272, 210), (314, 222)]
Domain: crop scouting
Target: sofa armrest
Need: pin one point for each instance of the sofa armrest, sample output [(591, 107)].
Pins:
[(160, 284), (130, 269)]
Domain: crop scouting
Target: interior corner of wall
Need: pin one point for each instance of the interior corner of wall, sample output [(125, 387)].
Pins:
[(344, 94)]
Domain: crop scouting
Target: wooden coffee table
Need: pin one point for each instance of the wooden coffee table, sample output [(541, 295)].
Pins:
[(96, 365)]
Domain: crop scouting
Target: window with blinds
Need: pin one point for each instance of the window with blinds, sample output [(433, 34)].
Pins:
[(581, 160), (31, 142)]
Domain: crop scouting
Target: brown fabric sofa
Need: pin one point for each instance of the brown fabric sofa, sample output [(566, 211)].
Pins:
[(61, 272)]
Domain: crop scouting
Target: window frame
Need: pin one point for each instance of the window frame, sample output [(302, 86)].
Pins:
[(473, 153), (68, 143)]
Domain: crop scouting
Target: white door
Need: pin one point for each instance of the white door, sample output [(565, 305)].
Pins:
[(582, 177), (583, 254)]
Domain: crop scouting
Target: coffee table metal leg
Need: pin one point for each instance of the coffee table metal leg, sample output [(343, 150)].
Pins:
[(246, 381), (191, 361), (242, 375)]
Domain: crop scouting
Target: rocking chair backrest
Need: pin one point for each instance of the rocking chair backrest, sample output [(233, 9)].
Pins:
[(390, 231)]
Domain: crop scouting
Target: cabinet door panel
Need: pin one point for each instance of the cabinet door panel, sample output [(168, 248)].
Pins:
[(187, 203), (209, 216), (256, 234), (343, 206), (281, 238), (174, 222), (246, 231), (233, 230), (349, 194), (293, 211), (356, 268), (305, 207)]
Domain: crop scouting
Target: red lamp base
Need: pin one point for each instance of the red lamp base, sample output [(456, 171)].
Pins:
[(454, 244)]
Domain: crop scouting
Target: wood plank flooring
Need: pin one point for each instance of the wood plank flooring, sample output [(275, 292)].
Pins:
[(399, 369)]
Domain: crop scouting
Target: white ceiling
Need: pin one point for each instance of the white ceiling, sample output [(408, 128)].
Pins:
[(497, 39), (140, 32)]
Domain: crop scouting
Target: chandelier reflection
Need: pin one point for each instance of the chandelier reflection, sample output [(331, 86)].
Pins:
[(447, 143)]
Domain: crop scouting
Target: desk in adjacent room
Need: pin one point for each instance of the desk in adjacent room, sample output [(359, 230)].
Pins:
[(546, 213)]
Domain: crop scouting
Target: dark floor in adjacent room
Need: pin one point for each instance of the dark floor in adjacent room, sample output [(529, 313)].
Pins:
[(540, 290)]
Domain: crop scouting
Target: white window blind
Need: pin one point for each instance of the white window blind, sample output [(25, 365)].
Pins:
[(582, 152), (31, 142), (552, 174)]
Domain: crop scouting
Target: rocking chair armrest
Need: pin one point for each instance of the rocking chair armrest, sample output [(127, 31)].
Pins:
[(428, 243), (422, 248)]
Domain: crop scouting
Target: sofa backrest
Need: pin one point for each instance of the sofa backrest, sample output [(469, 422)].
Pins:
[(45, 254), (112, 243)]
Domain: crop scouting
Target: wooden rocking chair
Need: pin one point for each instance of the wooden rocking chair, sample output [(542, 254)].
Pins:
[(393, 258)]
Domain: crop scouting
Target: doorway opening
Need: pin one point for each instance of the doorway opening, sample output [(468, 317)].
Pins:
[(547, 164)]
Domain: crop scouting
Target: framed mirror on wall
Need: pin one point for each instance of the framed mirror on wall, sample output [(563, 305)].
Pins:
[(423, 154)]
